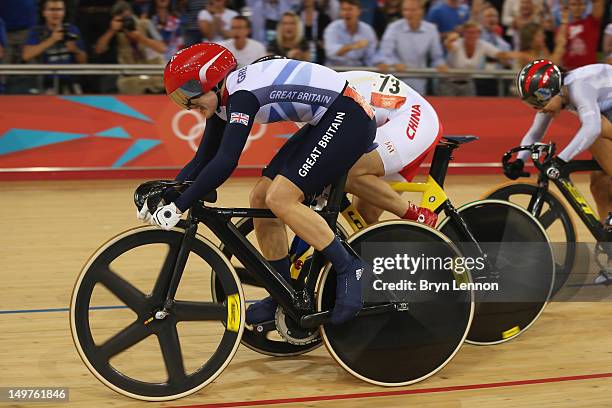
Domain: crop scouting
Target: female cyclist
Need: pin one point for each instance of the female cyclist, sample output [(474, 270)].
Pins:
[(586, 91)]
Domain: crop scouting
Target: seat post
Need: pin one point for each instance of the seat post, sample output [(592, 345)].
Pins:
[(441, 159)]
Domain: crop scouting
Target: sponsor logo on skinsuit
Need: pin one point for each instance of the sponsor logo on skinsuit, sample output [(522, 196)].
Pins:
[(413, 123)]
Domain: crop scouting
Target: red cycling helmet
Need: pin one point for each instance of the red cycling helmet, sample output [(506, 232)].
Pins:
[(539, 81), (195, 70)]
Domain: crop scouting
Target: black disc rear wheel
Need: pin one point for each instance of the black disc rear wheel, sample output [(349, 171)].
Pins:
[(523, 267), (407, 345)]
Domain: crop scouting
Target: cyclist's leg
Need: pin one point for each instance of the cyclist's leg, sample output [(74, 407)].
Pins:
[(370, 213), (402, 147), (601, 181), (364, 181), (271, 233), (601, 189), (327, 151)]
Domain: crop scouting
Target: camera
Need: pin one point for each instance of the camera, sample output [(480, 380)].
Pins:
[(68, 36), (129, 23)]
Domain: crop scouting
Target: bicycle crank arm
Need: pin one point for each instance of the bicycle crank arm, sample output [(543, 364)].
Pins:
[(264, 327), (316, 319)]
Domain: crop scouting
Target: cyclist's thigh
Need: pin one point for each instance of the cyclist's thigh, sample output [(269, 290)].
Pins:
[(329, 149), (284, 153), (405, 140), (602, 147)]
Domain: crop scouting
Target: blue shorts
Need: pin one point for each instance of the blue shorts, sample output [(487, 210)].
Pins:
[(316, 156)]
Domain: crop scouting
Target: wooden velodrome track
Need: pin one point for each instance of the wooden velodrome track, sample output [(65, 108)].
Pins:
[(49, 229)]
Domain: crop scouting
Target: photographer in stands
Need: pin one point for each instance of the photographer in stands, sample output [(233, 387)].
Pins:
[(55, 42), (134, 41)]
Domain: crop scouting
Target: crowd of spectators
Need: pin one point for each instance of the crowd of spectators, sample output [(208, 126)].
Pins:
[(392, 35)]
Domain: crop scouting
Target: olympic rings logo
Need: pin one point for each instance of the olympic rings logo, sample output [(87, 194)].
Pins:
[(193, 135)]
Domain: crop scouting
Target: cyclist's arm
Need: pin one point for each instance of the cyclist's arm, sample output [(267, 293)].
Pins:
[(536, 132), (584, 98), (245, 106), (206, 151)]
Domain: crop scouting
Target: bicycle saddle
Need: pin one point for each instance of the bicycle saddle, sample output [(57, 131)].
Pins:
[(460, 139)]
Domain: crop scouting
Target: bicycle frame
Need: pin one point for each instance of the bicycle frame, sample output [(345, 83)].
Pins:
[(573, 197), (295, 303)]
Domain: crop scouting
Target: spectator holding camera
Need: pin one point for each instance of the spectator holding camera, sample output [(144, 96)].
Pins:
[(134, 41), (56, 42)]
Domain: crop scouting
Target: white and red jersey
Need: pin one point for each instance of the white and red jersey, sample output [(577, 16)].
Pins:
[(408, 126), (287, 90)]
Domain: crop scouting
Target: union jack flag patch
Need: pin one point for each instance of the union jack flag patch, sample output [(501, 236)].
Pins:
[(242, 118)]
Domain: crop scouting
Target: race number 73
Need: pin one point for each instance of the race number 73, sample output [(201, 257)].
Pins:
[(388, 92), (389, 84)]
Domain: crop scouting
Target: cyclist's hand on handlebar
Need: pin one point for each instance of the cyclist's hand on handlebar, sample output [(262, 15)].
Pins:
[(552, 168), (166, 217), (515, 169), (145, 214)]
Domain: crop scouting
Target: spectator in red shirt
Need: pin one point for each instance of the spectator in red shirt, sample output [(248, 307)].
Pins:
[(582, 34)]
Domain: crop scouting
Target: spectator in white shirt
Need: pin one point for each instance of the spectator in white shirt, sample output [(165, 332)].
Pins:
[(348, 41), (491, 30), (469, 52), (411, 43), (245, 49), (215, 20)]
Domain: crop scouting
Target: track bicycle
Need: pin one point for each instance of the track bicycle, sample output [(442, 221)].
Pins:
[(551, 211), (484, 221), (423, 334)]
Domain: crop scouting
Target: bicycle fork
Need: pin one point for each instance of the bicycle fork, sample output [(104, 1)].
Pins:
[(170, 287)]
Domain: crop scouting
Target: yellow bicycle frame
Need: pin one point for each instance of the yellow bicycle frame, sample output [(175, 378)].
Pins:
[(433, 197)]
